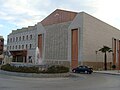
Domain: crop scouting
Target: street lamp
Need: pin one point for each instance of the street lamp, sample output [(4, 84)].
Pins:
[(96, 54)]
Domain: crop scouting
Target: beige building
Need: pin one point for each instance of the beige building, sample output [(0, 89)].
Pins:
[(70, 39)]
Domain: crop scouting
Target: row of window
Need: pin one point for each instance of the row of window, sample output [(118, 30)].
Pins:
[(15, 39), (20, 47)]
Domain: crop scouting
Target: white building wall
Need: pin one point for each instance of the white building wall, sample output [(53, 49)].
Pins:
[(97, 33), (20, 33)]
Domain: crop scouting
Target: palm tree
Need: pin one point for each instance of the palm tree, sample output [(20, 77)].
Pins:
[(104, 50)]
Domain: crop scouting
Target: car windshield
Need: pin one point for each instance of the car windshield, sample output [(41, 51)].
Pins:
[(83, 67)]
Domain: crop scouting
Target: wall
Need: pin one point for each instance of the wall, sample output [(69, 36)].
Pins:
[(97, 33), (20, 33), (56, 42)]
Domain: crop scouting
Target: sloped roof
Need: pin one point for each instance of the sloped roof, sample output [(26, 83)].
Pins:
[(58, 16)]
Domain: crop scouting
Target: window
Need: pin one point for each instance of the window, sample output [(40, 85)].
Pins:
[(19, 46), (23, 37), (30, 37), (27, 37), (13, 47), (19, 38), (16, 39), (22, 46), (26, 46), (30, 46), (16, 47), (10, 39)]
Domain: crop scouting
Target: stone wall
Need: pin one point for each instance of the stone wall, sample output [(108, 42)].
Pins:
[(56, 42)]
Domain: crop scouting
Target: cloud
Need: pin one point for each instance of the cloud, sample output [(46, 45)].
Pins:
[(16, 11), (108, 11), (1, 25), (28, 12)]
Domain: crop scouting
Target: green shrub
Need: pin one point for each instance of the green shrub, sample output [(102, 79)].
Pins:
[(57, 69), (113, 66), (24, 69)]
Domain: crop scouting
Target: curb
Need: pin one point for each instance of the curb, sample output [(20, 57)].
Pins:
[(107, 73), (35, 75)]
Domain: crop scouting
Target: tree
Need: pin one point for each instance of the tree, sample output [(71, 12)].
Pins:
[(104, 50)]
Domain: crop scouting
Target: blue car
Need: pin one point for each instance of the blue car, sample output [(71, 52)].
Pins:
[(82, 69)]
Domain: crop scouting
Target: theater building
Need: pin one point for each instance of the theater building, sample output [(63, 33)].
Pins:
[(66, 38)]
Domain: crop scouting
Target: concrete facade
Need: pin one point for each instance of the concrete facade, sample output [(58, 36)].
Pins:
[(57, 40), (23, 39)]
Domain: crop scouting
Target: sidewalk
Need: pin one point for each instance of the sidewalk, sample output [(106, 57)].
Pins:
[(112, 72)]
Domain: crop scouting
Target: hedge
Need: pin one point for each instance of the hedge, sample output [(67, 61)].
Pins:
[(25, 69)]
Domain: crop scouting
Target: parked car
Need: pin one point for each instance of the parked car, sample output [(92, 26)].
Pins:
[(82, 69)]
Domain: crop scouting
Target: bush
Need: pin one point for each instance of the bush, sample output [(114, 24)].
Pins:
[(24, 69), (57, 69), (113, 66)]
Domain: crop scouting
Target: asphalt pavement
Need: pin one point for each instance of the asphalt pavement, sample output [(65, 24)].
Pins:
[(93, 81)]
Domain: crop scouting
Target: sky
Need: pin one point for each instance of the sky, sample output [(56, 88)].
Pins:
[(15, 14)]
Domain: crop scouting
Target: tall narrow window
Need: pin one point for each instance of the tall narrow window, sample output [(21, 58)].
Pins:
[(16, 47), (26, 46), (30, 37), (12, 47), (27, 37), (23, 38), (19, 46), (10, 39), (19, 38), (30, 46), (16, 39), (22, 46)]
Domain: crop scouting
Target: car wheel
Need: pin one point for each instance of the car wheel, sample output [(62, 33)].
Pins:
[(74, 71), (86, 71)]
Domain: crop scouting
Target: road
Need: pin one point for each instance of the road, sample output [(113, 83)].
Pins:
[(83, 82)]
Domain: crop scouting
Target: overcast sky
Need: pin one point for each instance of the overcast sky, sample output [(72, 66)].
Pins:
[(15, 14)]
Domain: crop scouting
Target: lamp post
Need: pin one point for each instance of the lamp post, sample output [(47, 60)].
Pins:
[(96, 54)]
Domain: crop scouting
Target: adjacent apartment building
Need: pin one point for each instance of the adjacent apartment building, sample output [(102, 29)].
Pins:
[(66, 38), (1, 48)]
